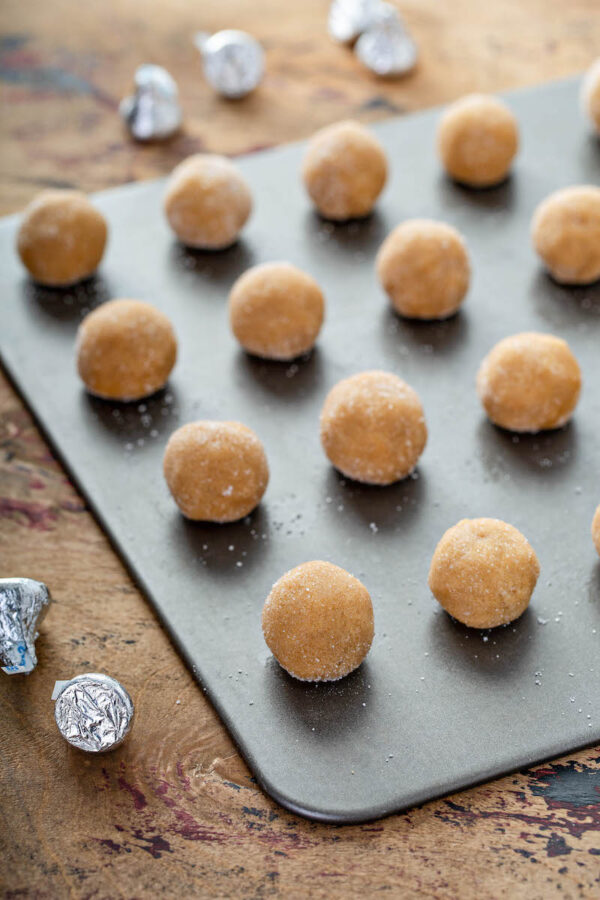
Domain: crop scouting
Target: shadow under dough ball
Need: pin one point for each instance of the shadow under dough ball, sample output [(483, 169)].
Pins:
[(215, 471), (318, 622), (126, 350), (565, 231), (344, 171), (423, 266), (373, 427), (529, 382), (207, 202), (477, 140), (483, 572), (276, 311), (61, 238)]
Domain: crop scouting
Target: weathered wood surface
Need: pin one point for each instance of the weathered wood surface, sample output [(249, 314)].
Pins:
[(174, 812)]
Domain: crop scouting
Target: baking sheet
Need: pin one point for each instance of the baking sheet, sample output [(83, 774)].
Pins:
[(435, 707)]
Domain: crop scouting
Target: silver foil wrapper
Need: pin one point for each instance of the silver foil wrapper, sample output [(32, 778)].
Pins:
[(93, 711), (386, 47), (234, 61), (153, 113), (349, 18), (23, 604)]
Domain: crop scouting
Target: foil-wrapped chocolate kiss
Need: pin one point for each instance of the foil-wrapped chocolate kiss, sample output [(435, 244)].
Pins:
[(23, 604)]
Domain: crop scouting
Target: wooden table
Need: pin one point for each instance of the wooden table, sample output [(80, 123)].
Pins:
[(175, 812)]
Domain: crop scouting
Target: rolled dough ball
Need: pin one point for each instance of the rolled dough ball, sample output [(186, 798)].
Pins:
[(590, 94), (596, 530), (62, 237), (216, 471), (529, 382), (424, 268), (125, 350), (477, 139), (276, 311), (373, 427), (318, 622), (207, 202), (483, 572), (344, 170), (566, 234)]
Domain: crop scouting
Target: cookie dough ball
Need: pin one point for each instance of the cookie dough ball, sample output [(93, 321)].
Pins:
[(477, 140), (596, 530), (529, 382), (566, 234), (483, 572), (125, 350), (318, 622), (216, 471), (344, 171), (276, 311), (590, 94), (373, 427), (424, 268), (207, 202), (61, 239)]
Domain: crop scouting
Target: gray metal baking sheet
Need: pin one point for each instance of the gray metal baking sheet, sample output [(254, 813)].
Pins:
[(435, 707)]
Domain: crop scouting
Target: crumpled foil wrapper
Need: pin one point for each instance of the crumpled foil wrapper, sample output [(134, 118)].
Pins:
[(234, 61), (93, 712), (381, 41), (385, 46), (349, 18), (23, 604), (153, 113)]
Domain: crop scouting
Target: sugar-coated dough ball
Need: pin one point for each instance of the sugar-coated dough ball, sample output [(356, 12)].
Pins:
[(62, 237), (529, 382), (483, 572), (276, 311), (590, 94), (566, 234), (125, 350), (373, 427), (207, 202), (216, 471), (424, 268), (596, 530), (344, 170), (318, 622), (477, 139)]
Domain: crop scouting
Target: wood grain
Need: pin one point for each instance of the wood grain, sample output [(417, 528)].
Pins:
[(175, 812)]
